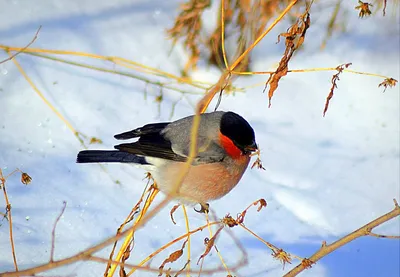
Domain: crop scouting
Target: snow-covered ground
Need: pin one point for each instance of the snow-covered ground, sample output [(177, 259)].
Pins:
[(324, 177)]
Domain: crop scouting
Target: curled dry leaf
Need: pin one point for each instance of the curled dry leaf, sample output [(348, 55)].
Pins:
[(261, 202), (25, 178), (171, 213), (282, 256), (384, 7), (364, 9), (334, 80), (122, 272), (294, 38), (173, 257), (209, 244), (125, 256), (148, 176), (388, 82)]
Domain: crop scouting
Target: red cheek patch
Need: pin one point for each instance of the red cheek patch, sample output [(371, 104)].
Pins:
[(229, 146)]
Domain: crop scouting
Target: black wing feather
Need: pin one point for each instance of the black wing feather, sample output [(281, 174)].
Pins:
[(154, 128), (150, 150), (151, 143)]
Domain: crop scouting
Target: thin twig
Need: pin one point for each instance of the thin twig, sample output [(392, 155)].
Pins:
[(188, 240), (383, 236), (307, 70), (40, 94), (53, 232), (218, 253), (8, 212), (129, 218), (128, 239), (116, 60), (268, 244), (23, 49), (223, 34)]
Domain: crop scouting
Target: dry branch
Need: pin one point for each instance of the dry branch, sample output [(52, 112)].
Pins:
[(363, 231), (9, 217)]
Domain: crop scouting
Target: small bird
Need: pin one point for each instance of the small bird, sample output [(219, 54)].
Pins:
[(224, 145)]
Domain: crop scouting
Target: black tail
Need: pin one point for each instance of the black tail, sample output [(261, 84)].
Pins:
[(105, 156)]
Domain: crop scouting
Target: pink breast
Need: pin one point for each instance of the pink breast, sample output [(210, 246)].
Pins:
[(203, 182)]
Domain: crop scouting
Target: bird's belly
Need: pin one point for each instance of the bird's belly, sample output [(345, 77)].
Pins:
[(203, 182)]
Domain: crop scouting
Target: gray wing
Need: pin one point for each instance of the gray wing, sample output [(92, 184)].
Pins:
[(179, 134)]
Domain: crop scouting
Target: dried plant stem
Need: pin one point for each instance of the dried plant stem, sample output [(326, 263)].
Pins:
[(309, 70), (129, 237), (53, 232), (128, 219), (9, 216), (24, 48), (76, 133), (383, 236), (269, 245), (218, 253), (87, 253), (66, 122), (117, 60), (188, 239), (162, 248), (363, 231), (223, 34), (226, 76), (156, 270)]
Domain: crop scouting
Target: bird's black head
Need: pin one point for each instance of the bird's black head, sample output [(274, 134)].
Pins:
[(239, 131)]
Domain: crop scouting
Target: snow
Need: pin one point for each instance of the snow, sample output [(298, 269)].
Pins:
[(324, 177)]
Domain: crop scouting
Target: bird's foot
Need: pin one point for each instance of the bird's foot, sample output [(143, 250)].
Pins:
[(204, 208)]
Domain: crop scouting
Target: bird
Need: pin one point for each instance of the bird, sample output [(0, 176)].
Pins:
[(225, 143)]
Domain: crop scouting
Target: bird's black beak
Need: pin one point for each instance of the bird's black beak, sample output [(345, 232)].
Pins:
[(251, 148)]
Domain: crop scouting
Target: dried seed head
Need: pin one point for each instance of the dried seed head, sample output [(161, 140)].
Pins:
[(229, 221), (282, 256), (25, 178), (364, 9), (388, 82), (94, 140)]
